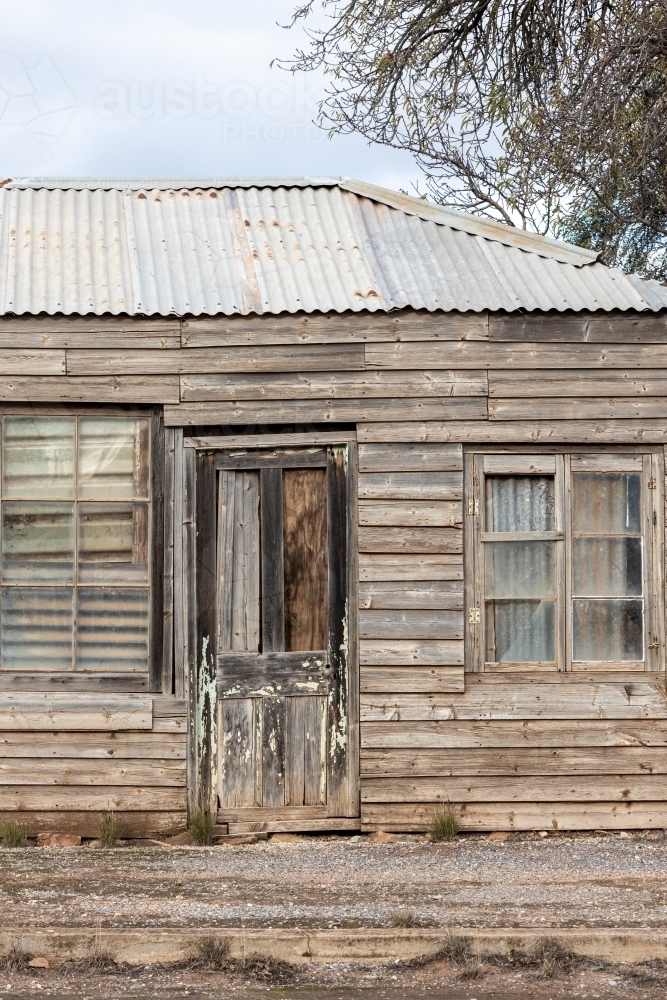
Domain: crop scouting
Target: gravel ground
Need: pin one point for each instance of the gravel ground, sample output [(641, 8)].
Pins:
[(558, 881)]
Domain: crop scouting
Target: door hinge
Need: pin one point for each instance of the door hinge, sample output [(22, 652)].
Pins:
[(473, 507), (651, 483), (474, 616)]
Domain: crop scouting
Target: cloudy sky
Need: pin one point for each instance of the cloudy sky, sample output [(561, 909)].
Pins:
[(140, 88)]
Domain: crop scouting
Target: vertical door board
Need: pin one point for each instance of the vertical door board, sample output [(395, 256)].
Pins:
[(305, 558), (271, 514)]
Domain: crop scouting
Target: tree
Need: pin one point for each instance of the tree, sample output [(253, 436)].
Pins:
[(547, 115)]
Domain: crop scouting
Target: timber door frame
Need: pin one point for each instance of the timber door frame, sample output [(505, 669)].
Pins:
[(200, 554)]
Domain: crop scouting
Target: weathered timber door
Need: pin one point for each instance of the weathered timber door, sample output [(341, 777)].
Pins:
[(283, 730)]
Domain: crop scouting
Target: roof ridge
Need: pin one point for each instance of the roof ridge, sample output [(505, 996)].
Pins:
[(474, 225)]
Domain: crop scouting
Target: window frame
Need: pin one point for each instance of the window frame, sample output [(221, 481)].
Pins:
[(150, 677), (562, 461)]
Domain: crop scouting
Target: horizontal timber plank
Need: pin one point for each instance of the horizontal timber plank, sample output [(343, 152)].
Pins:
[(313, 328), (74, 680), (411, 625), (410, 486), (489, 816), (26, 362), (410, 458), (426, 595), (271, 814), (308, 357), (408, 568), (234, 442), (637, 700), (79, 331), (92, 389), (98, 773), (421, 679), (565, 382), (593, 408), (476, 355), (272, 411), (231, 387), (93, 746), (165, 706), (410, 539), (137, 823), (605, 328), (404, 652), (520, 432), (16, 798), (332, 824), (177, 724), (419, 513), (517, 762), (549, 788), (76, 712), (555, 734)]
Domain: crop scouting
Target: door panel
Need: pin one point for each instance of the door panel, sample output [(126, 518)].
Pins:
[(238, 561), (305, 556)]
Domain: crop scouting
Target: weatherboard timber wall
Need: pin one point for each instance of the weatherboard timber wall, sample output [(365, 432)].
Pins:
[(522, 751)]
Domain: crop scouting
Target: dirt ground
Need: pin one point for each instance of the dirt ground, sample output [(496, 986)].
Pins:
[(605, 880), (564, 880), (340, 982)]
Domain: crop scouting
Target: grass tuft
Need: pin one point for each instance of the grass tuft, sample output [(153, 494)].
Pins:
[(472, 970), (444, 825), (202, 827), (16, 960), (12, 834), (404, 918), (264, 969), (107, 830), (213, 953)]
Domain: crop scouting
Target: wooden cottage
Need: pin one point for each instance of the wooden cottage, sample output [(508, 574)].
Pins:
[(322, 506)]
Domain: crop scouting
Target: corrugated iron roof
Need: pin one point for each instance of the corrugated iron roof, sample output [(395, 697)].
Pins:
[(177, 247)]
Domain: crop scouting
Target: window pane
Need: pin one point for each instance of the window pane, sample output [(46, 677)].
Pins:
[(113, 458), (607, 567), (519, 569), (521, 631), (113, 543), (112, 629), (606, 503), (37, 628), (38, 458), (37, 543), (607, 630), (520, 503)]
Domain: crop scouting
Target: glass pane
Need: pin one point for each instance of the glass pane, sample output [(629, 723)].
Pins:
[(112, 629), (113, 543), (520, 569), (38, 458), (37, 628), (607, 567), (305, 559), (606, 502), (37, 543), (113, 458), (607, 630), (520, 503), (521, 631)]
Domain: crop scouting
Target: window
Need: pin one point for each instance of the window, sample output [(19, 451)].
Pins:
[(566, 567), (75, 499)]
